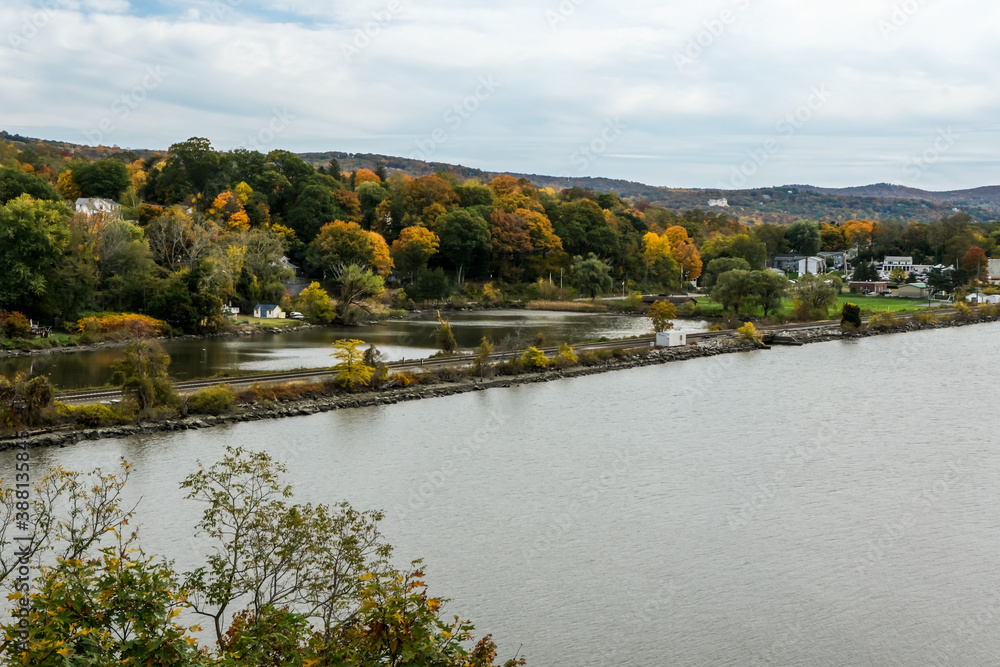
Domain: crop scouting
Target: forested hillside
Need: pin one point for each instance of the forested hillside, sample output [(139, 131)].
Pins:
[(198, 228)]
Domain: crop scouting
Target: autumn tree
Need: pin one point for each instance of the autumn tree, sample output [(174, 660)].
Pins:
[(661, 314), (445, 336), (976, 263), (687, 256), (341, 243), (414, 247), (352, 371)]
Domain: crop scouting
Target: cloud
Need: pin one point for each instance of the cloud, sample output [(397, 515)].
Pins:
[(374, 76)]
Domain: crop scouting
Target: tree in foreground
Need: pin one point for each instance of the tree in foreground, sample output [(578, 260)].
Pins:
[(352, 371), (282, 584), (661, 314)]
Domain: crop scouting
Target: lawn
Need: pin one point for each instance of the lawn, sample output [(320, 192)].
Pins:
[(267, 324), (867, 303)]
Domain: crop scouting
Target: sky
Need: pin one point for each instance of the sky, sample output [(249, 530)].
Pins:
[(710, 94)]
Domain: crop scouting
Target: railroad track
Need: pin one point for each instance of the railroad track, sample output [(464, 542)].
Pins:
[(190, 386)]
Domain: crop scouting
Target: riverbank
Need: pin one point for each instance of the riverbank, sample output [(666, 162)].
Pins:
[(111, 344), (310, 406)]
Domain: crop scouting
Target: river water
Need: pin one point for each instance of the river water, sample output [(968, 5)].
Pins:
[(834, 504), (310, 348)]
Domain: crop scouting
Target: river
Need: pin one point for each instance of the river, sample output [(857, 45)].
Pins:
[(310, 348), (833, 504)]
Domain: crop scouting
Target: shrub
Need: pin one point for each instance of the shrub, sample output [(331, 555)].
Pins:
[(481, 364), (883, 320), (15, 325), (126, 324), (491, 295), (989, 310), (212, 400), (749, 332), (91, 416), (926, 318), (963, 311), (534, 358), (715, 327), (430, 286), (567, 355), (543, 290), (405, 379), (850, 315)]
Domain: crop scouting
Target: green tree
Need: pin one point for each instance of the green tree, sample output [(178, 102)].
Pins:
[(273, 553), (661, 314), (850, 315), (354, 285), (141, 372), (33, 235), (14, 183), (735, 290), (770, 289), (804, 237), (464, 237), (815, 295), (865, 272), (106, 178), (721, 265), (591, 275), (773, 237), (352, 371), (313, 208)]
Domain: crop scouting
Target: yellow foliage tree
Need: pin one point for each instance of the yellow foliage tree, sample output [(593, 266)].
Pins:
[(414, 247), (660, 314), (66, 186), (689, 258), (352, 371), (365, 176), (655, 248), (243, 192)]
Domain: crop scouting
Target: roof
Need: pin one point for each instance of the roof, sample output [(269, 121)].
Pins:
[(265, 306), (919, 285)]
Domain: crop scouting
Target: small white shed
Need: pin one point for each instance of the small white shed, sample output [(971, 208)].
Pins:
[(671, 339)]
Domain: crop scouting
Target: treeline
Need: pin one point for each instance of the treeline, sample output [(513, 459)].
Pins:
[(199, 228)]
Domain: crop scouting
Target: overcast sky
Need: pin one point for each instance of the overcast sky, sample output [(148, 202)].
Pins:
[(728, 93)]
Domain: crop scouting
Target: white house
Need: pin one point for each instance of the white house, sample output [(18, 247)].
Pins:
[(721, 203), (95, 205), (268, 312)]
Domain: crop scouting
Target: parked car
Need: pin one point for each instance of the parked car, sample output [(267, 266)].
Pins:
[(297, 316)]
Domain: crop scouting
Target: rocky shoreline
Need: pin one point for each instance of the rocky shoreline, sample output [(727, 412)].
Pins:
[(248, 413)]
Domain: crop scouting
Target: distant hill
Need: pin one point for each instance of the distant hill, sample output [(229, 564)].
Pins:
[(782, 205)]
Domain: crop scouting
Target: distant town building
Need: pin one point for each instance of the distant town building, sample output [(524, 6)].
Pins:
[(869, 287), (97, 205), (835, 260), (800, 264), (913, 291), (722, 203)]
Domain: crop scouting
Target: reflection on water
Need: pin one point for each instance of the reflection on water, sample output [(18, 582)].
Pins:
[(309, 348)]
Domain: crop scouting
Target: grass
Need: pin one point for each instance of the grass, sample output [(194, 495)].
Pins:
[(569, 306), (267, 324), (868, 304)]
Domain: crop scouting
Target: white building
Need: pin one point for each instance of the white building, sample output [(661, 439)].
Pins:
[(95, 205), (722, 203), (671, 339), (994, 269), (268, 312)]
